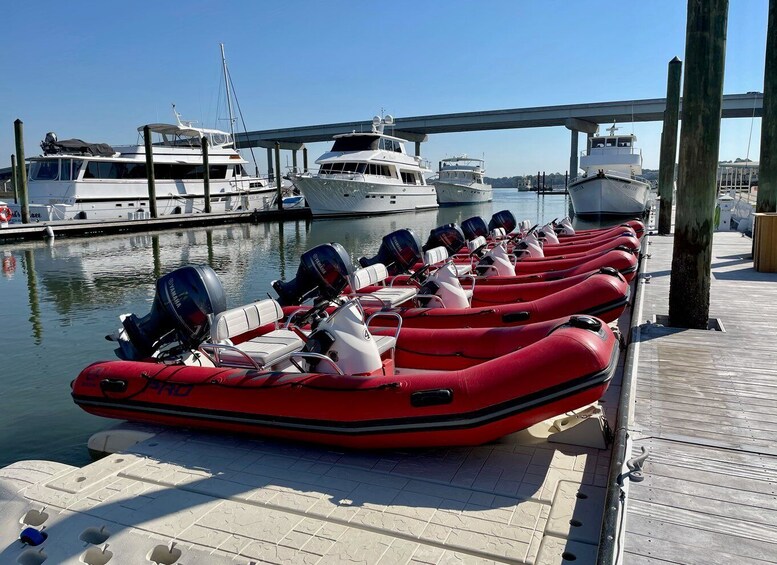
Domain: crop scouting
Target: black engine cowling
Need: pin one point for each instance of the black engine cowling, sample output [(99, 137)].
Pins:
[(399, 251), (503, 219), (448, 236), (323, 273), (184, 300), (474, 227)]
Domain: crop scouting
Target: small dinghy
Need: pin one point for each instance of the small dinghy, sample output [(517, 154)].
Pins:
[(439, 300), (191, 363)]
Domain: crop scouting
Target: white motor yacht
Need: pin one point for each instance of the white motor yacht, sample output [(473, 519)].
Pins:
[(74, 180), (610, 185), (460, 181), (365, 174)]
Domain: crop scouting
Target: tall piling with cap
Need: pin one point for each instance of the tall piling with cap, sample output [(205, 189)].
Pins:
[(666, 168), (150, 171), (21, 171), (767, 174), (206, 174), (278, 174), (705, 51)]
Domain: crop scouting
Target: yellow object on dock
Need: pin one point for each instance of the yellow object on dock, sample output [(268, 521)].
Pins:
[(765, 242)]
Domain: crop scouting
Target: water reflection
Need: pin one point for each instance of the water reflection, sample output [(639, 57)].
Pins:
[(73, 291), (32, 296)]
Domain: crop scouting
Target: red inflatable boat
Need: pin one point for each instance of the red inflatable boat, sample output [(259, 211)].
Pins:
[(450, 387), (604, 295)]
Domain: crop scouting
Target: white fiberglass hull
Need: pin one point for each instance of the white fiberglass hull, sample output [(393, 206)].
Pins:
[(609, 195), (114, 200), (449, 193), (340, 197)]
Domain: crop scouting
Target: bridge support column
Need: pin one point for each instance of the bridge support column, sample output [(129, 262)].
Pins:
[(278, 175), (305, 159), (294, 161), (573, 153), (270, 175), (418, 148)]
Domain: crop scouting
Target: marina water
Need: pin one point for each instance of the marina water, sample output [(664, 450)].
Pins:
[(60, 299)]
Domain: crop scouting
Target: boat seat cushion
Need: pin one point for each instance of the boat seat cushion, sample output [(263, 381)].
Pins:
[(393, 295), (272, 347), (266, 349), (463, 269), (367, 276), (237, 321), (436, 255), (385, 342)]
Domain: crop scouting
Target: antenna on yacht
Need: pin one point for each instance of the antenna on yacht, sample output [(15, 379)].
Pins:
[(177, 115), (612, 129)]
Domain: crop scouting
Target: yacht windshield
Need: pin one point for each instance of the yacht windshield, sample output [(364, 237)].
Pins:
[(356, 143), (46, 169)]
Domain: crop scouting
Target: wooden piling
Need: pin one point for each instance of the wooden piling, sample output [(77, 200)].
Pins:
[(278, 174), (305, 159), (150, 172), (705, 51), (13, 180), (666, 168), (206, 173), (21, 171), (294, 161), (767, 174)]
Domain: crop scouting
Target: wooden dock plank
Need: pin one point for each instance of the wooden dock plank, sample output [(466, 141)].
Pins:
[(706, 406)]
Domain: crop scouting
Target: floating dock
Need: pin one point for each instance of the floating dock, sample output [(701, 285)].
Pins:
[(194, 498), (82, 228), (702, 401)]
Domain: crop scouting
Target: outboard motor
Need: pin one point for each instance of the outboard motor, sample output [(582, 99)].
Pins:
[(503, 219), (474, 227), (323, 272), (49, 143), (180, 312), (399, 251), (448, 236)]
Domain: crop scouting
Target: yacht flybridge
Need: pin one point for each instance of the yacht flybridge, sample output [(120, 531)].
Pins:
[(610, 185), (367, 173), (461, 181), (75, 180)]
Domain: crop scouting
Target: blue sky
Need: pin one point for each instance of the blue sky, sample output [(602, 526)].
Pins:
[(98, 70)]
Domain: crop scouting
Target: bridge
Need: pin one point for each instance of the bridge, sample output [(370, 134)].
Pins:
[(575, 117)]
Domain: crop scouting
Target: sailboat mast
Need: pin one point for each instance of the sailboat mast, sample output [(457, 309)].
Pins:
[(229, 96)]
